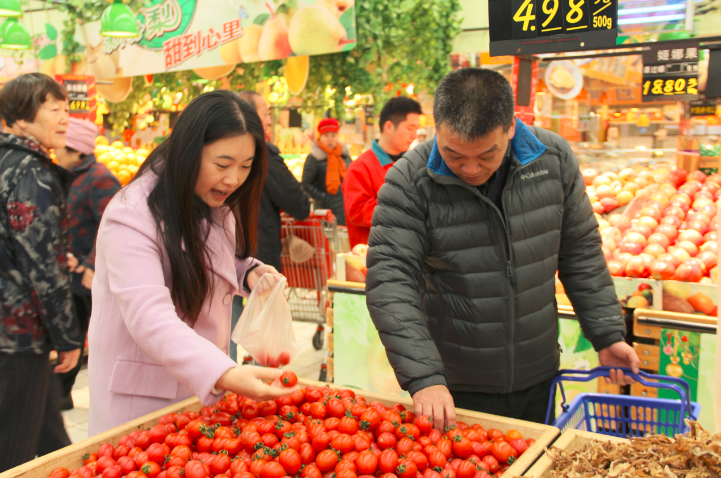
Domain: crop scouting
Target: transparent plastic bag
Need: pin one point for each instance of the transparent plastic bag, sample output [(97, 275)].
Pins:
[(265, 329)]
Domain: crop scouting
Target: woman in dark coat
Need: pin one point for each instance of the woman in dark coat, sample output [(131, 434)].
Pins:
[(325, 169), (37, 308)]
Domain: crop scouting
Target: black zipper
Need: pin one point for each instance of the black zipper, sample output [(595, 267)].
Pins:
[(509, 271)]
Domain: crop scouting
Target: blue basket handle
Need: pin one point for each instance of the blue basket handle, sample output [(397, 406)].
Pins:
[(648, 376), (680, 386)]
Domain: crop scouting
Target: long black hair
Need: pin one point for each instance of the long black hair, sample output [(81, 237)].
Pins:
[(178, 211)]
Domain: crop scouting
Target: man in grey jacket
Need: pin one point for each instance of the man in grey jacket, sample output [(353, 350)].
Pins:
[(468, 234)]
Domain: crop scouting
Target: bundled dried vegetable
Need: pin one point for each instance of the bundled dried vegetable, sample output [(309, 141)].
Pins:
[(695, 455)]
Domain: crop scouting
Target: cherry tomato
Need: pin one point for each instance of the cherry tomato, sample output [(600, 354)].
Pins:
[(495, 435), (366, 462), (406, 469), (272, 469), (311, 471), (89, 458), (137, 474), (288, 379), (530, 442), (59, 473), (326, 460), (504, 452), (370, 419), (291, 461), (436, 459), (466, 469), (220, 464), (106, 450), (388, 461), (194, 469), (175, 472), (386, 440), (424, 424), (127, 464), (104, 462), (343, 443), (307, 453), (445, 446), (112, 472), (404, 446), (151, 469), (419, 459), (462, 446), (491, 462), (482, 448)]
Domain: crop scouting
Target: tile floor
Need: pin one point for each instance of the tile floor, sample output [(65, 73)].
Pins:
[(306, 365)]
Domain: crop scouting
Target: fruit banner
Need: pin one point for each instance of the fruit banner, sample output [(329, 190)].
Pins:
[(212, 35), (577, 353), (680, 356)]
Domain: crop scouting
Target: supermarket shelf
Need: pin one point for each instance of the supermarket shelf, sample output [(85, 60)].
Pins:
[(677, 321), (357, 288)]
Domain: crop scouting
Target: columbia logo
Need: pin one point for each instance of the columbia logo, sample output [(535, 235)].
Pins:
[(534, 175)]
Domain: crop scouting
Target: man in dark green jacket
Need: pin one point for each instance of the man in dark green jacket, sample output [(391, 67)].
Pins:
[(468, 234)]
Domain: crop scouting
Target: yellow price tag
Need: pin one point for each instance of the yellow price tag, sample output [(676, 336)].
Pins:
[(526, 17)]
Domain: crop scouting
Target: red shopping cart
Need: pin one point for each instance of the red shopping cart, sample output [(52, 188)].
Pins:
[(306, 293)]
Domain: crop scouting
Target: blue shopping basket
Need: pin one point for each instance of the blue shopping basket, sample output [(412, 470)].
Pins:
[(623, 415)]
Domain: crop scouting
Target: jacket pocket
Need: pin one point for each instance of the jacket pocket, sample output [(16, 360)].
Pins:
[(143, 379)]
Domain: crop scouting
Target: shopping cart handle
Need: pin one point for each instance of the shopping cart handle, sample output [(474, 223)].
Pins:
[(679, 386)]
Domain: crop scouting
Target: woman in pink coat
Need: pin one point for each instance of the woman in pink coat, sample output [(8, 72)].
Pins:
[(173, 249)]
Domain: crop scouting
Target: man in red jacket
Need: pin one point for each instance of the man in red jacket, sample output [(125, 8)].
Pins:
[(399, 122)]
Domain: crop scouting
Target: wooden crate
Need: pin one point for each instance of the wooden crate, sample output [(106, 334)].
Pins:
[(649, 355), (646, 331), (569, 441), (610, 388), (72, 456), (641, 390), (693, 161)]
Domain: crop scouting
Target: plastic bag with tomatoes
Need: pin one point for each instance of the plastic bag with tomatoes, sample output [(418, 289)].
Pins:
[(265, 329)]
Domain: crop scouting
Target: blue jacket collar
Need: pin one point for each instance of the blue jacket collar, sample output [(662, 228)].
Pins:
[(526, 148), (382, 156)]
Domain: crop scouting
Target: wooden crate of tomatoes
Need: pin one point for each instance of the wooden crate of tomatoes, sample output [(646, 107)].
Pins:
[(317, 432)]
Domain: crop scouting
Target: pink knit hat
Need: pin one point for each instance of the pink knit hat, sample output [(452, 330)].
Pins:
[(81, 135)]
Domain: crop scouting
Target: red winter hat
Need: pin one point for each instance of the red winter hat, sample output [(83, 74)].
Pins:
[(328, 125)]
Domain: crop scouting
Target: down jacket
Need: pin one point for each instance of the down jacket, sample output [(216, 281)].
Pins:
[(461, 293), (314, 171)]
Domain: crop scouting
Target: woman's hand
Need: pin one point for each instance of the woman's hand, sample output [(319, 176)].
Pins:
[(252, 382), (273, 278), (72, 261)]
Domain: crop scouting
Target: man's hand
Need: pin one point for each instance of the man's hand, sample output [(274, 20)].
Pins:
[(436, 402), (68, 361), (619, 354)]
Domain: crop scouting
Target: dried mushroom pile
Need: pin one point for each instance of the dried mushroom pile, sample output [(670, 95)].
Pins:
[(696, 455)]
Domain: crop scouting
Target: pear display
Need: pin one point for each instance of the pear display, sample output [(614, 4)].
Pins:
[(274, 43), (248, 44), (314, 30)]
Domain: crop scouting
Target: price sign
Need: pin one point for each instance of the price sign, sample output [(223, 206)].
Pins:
[(703, 108), (81, 94), (670, 73), (549, 26)]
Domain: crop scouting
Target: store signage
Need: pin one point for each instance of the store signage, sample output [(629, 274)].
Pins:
[(81, 94), (179, 35), (524, 80), (522, 27), (670, 73), (703, 108)]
